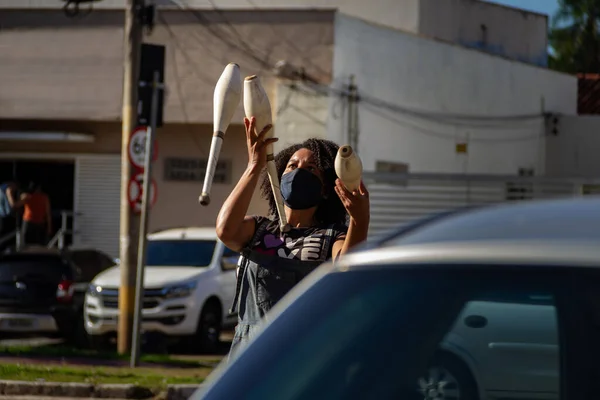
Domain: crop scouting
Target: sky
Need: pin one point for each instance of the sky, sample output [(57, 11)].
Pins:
[(547, 7)]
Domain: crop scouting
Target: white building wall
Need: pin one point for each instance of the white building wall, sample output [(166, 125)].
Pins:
[(299, 114), (414, 73), (509, 32), (573, 152)]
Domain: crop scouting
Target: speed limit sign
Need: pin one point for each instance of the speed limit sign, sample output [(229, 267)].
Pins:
[(137, 147)]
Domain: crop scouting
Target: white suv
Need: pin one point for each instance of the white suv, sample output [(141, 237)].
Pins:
[(189, 285)]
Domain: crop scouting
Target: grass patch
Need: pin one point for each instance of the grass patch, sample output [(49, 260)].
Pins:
[(149, 377), (71, 352)]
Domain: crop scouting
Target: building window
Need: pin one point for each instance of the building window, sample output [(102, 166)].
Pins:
[(386, 166), (194, 169), (520, 190)]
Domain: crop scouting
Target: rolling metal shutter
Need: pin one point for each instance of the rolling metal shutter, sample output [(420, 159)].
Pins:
[(398, 199), (97, 194)]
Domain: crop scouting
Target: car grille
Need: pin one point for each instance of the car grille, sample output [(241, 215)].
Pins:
[(152, 298)]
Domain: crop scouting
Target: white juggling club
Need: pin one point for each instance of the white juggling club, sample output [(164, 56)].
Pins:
[(226, 98), (348, 167), (257, 105)]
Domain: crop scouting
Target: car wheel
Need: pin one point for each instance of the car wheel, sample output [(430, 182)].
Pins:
[(99, 343), (79, 337), (209, 327), (448, 378)]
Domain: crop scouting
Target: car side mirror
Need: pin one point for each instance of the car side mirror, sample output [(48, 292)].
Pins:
[(229, 263)]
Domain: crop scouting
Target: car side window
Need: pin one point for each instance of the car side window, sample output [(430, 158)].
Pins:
[(230, 259), (501, 342)]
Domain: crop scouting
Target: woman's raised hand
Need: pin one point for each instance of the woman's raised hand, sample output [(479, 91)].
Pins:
[(257, 144)]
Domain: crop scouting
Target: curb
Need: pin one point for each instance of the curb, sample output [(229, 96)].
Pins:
[(88, 390)]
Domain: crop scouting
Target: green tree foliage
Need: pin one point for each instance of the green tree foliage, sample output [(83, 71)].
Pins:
[(574, 37)]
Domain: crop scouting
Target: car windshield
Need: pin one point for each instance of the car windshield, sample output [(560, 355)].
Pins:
[(368, 334), (180, 253)]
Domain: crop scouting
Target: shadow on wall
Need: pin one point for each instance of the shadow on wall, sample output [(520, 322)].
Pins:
[(541, 60)]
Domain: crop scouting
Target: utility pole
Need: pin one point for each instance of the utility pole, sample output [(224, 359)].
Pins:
[(129, 223), (352, 114)]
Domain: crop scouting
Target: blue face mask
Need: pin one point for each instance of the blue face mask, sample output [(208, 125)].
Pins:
[(301, 189)]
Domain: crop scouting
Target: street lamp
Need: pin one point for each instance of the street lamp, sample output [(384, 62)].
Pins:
[(284, 70), (71, 7)]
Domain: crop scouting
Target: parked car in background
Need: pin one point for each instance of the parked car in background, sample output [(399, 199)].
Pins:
[(499, 302), (42, 291), (189, 284)]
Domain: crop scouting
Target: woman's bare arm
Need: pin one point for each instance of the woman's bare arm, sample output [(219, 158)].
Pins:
[(234, 227), (357, 233), (358, 206)]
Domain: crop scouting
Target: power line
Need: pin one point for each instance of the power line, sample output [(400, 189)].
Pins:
[(423, 115), (184, 52), (444, 136), (182, 104), (249, 49), (328, 90), (291, 44), (466, 120), (221, 36)]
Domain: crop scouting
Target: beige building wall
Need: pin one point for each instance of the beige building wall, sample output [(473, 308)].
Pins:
[(177, 202), (54, 67), (61, 74)]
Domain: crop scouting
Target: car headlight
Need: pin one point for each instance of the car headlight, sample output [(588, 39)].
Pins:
[(94, 290), (181, 290)]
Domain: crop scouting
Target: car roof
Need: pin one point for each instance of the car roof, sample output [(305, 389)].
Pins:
[(185, 233), (491, 252), (558, 219), (34, 250)]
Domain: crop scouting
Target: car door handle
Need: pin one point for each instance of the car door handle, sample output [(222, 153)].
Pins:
[(476, 321)]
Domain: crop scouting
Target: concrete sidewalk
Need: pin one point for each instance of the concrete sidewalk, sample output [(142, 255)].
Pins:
[(56, 390)]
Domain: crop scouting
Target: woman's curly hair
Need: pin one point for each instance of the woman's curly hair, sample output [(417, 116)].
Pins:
[(330, 210)]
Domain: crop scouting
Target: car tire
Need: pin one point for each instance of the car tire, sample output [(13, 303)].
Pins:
[(79, 337), (99, 343), (448, 378), (209, 327)]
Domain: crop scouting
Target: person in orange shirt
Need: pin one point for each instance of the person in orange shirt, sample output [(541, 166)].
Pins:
[(37, 217)]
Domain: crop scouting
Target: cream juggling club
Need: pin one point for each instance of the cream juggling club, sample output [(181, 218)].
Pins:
[(348, 167), (226, 98), (257, 105)]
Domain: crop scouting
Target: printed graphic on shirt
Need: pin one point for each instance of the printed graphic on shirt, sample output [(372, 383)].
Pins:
[(305, 244)]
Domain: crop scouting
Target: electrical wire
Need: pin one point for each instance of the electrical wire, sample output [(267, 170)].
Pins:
[(393, 118), (291, 44), (489, 125), (186, 118), (205, 78), (445, 117), (264, 60), (456, 119), (223, 37), (466, 120)]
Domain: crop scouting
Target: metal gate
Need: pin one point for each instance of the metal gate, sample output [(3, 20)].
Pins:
[(397, 199)]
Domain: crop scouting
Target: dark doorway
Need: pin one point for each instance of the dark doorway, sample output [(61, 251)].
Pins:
[(57, 178)]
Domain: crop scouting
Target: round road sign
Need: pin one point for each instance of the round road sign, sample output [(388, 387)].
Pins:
[(135, 192), (137, 147)]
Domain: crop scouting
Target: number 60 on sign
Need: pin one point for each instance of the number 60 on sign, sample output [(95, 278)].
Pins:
[(137, 147)]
